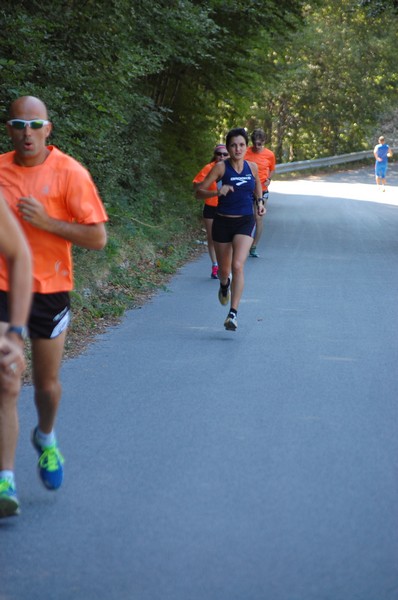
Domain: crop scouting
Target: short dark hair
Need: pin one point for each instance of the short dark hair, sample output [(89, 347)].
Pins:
[(234, 133), (258, 134)]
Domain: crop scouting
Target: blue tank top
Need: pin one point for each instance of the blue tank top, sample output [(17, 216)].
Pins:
[(240, 201), (382, 151)]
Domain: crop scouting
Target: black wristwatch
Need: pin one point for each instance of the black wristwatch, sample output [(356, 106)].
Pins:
[(21, 331)]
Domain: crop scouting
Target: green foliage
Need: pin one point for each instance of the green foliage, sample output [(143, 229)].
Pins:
[(333, 82), (376, 8)]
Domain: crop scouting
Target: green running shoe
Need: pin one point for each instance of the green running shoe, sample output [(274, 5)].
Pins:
[(9, 505), (253, 252), (50, 464)]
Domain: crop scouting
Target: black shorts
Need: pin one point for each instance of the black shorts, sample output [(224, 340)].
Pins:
[(225, 228), (209, 212), (49, 314)]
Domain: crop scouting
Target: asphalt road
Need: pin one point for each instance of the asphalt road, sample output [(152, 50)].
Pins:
[(251, 465)]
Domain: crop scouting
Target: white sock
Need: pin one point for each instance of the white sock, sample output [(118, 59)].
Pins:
[(9, 475), (45, 439)]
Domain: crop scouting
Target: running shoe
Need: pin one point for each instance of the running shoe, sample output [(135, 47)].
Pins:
[(50, 464), (231, 322), (9, 505), (253, 252), (214, 272), (224, 295)]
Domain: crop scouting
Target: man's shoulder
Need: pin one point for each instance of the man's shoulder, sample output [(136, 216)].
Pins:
[(60, 156), (269, 152), (7, 157), (253, 156), (61, 160)]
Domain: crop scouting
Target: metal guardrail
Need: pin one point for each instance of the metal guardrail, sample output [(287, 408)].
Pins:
[(300, 165)]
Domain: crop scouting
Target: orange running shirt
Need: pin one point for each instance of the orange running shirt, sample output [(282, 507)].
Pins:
[(68, 193), (265, 160), (213, 201)]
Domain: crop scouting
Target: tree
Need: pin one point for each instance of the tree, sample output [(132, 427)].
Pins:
[(326, 98)]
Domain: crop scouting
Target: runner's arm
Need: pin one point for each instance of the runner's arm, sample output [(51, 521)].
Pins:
[(91, 236), (258, 192), (201, 191), (16, 250)]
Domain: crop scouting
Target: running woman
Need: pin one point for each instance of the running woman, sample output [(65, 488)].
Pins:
[(234, 224)]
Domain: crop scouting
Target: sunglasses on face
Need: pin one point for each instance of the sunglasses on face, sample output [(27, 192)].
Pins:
[(222, 154), (21, 123)]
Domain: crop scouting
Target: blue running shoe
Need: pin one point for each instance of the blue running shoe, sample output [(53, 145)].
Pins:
[(9, 505), (50, 464)]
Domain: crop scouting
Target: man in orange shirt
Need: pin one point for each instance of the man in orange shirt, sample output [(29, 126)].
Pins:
[(265, 160), (58, 205)]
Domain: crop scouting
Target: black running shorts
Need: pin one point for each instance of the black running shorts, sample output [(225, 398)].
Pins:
[(225, 228), (209, 212), (49, 314)]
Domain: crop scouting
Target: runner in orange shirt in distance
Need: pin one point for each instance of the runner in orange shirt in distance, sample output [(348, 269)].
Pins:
[(265, 161), (209, 209)]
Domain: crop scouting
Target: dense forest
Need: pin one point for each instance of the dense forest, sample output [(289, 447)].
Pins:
[(141, 91)]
